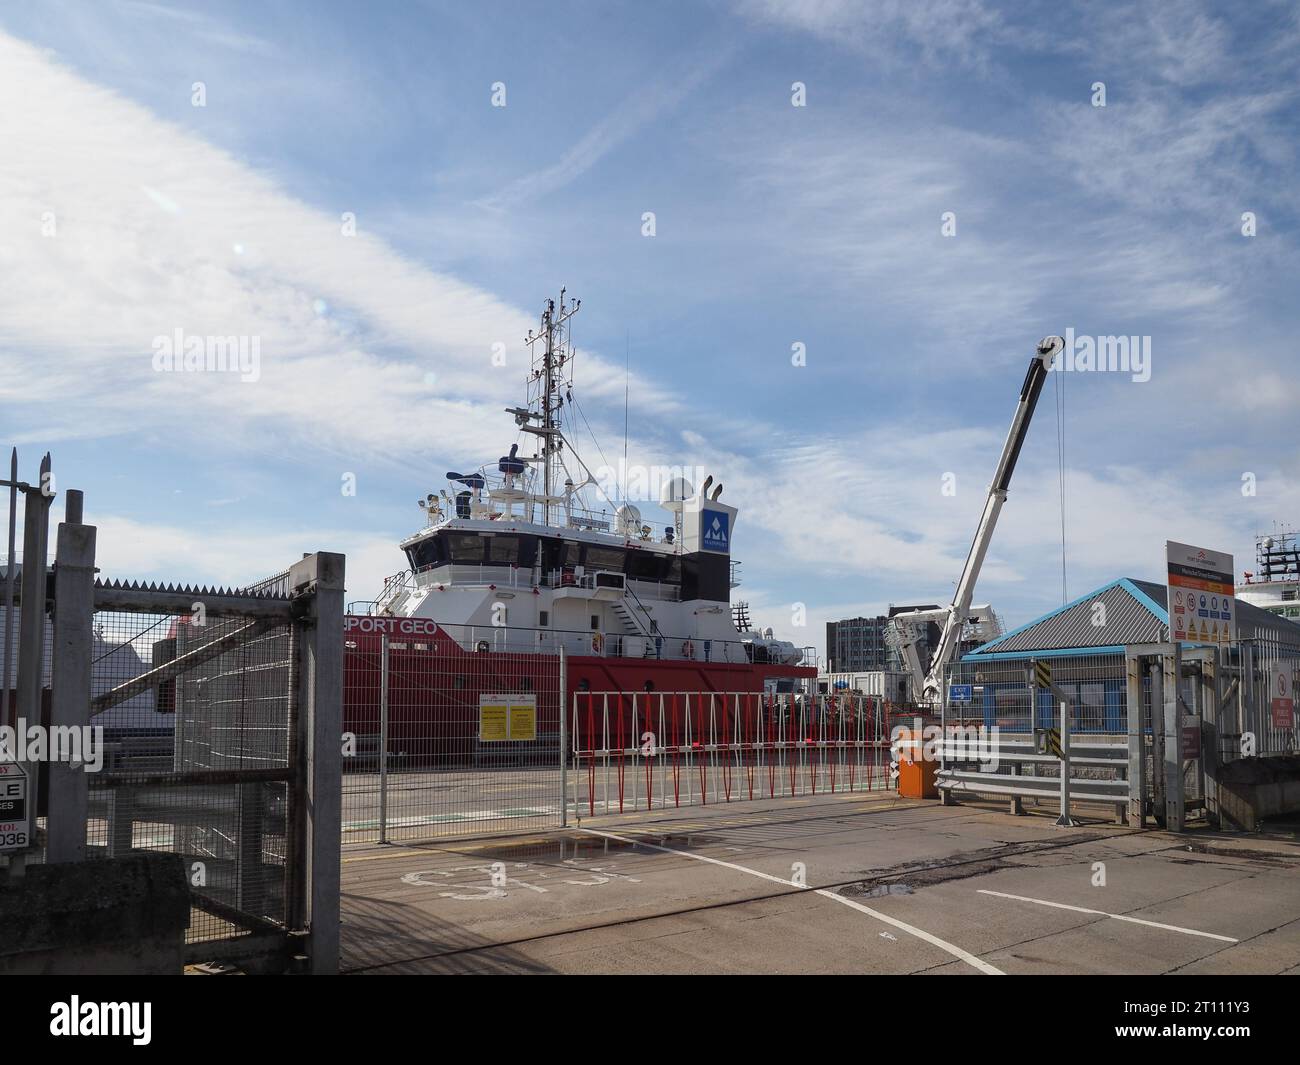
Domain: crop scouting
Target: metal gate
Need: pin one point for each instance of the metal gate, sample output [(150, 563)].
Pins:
[(193, 721), (658, 750), (446, 735)]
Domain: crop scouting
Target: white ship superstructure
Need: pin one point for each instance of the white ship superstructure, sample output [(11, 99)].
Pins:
[(1274, 583), (512, 557)]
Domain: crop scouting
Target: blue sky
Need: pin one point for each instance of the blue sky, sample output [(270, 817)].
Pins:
[(775, 225)]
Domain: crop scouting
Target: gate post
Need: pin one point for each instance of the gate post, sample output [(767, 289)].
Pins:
[(383, 737), (31, 614), (1136, 755), (70, 655), (1214, 676), (1173, 738), (319, 578), (564, 736)]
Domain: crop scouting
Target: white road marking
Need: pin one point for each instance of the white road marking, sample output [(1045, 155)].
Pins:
[(1113, 916), (919, 933)]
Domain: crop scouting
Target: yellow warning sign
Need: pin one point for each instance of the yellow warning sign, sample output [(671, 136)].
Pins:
[(1053, 742), (523, 721), (507, 717), (1043, 674), (493, 719)]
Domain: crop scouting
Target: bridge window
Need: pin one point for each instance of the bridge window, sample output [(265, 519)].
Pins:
[(465, 549), (605, 558)]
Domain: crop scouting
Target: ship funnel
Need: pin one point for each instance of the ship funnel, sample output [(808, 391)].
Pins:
[(705, 490), (717, 491)]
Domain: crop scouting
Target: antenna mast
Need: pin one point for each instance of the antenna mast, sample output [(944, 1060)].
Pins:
[(551, 372)]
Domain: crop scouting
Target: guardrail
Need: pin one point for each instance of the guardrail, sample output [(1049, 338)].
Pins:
[(1004, 761)]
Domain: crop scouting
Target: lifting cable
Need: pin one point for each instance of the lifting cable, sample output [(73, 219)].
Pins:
[(1060, 471)]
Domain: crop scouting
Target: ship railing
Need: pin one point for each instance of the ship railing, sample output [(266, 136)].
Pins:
[(661, 591)]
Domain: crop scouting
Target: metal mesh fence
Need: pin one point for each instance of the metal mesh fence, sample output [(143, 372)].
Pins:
[(655, 750), (1265, 711), (444, 737), (197, 760)]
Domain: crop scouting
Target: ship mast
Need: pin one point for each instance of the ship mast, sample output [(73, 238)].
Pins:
[(550, 376)]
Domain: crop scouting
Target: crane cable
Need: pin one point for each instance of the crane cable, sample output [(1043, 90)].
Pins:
[(1060, 472)]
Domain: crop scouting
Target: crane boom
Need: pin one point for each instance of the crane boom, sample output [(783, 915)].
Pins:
[(956, 614)]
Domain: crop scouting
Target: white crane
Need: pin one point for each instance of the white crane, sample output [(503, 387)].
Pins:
[(927, 684)]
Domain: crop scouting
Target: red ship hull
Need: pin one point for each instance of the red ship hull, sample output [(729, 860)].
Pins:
[(434, 686)]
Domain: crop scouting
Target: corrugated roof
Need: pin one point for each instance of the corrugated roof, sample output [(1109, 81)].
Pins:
[(1083, 623), (1135, 612)]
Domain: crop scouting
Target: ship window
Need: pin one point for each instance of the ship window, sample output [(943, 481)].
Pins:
[(543, 618), (427, 553), (505, 549), (646, 566), (605, 558), (463, 548), (595, 621)]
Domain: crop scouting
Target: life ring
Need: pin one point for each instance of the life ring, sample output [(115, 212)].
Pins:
[(688, 649), (597, 642)]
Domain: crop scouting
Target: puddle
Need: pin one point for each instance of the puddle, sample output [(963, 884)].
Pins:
[(585, 848)]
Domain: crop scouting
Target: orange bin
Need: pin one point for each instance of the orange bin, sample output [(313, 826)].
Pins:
[(916, 779)]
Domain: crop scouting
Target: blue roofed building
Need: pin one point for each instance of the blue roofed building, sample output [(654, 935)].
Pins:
[(1085, 643)]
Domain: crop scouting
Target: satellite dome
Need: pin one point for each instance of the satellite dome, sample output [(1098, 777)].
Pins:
[(628, 519), (674, 492)]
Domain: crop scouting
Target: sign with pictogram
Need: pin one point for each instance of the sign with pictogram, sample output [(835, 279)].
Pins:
[(1202, 608)]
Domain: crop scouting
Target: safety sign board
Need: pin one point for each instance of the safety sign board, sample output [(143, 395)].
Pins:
[(507, 717), (1202, 607)]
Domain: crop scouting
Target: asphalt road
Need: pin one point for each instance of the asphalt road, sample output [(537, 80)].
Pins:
[(831, 884)]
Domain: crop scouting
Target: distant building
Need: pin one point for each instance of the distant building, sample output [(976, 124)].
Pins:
[(856, 645)]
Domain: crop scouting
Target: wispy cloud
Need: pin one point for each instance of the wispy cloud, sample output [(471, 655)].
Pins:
[(642, 107)]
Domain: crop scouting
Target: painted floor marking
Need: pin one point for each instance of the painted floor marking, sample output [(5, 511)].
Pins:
[(1113, 916), (919, 933)]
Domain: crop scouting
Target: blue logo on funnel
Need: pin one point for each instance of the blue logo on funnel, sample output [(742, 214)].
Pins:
[(715, 530)]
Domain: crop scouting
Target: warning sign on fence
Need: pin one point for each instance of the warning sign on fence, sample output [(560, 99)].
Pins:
[(1283, 698), (507, 717)]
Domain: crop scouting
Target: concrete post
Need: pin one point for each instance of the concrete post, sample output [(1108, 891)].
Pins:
[(320, 723), (1173, 739), (71, 654)]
